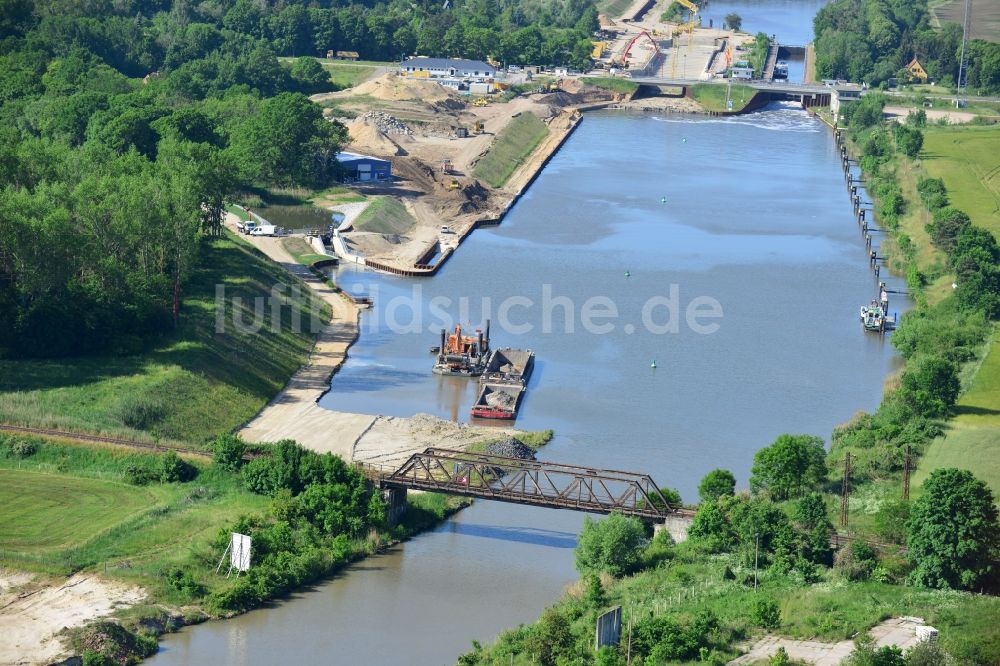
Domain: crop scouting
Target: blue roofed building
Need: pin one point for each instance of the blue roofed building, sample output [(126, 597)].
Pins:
[(364, 168)]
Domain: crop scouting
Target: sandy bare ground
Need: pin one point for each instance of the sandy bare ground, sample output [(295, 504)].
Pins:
[(898, 631), (954, 117), (31, 614)]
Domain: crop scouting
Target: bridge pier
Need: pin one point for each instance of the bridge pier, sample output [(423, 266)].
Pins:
[(395, 504), (676, 525)]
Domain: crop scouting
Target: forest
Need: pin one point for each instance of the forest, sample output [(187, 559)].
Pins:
[(871, 41), (125, 126)]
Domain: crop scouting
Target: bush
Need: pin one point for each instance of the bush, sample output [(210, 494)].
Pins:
[(612, 545), (765, 613), (933, 193), (710, 529), (855, 561), (930, 386), (228, 452), (23, 448), (174, 469), (948, 223), (138, 475), (909, 140), (184, 582)]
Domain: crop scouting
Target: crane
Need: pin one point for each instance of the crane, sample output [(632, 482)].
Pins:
[(688, 27)]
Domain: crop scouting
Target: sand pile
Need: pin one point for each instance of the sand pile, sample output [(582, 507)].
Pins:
[(369, 139), (397, 88)]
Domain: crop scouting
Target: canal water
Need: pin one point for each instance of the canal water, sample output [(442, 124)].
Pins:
[(749, 213)]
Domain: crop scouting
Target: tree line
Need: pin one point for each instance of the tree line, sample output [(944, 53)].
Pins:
[(873, 40)]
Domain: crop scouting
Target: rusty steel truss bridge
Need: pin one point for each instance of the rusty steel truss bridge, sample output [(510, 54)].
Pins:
[(531, 482)]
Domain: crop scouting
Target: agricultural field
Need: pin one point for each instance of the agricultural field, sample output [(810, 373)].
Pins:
[(509, 150), (968, 160), (206, 379), (985, 16)]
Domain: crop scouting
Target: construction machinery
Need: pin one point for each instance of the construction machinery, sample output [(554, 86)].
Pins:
[(624, 59), (477, 127), (480, 101), (693, 22)]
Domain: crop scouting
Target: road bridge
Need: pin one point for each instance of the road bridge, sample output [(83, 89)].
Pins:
[(535, 483)]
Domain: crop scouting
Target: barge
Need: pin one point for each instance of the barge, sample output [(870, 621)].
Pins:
[(503, 383), (498, 401), (508, 366), (462, 355)]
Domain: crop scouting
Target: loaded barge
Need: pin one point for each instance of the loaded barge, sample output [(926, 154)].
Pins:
[(503, 383)]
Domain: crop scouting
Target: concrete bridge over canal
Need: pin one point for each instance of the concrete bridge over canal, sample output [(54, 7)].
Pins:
[(808, 94)]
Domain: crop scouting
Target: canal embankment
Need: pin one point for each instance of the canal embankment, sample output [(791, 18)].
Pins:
[(294, 413)]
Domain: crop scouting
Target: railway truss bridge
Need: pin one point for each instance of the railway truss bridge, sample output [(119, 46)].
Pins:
[(535, 483)]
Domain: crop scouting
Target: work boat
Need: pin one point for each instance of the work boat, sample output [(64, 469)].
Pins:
[(873, 317)]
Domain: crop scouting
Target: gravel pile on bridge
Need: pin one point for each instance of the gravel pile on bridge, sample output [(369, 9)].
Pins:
[(386, 123), (511, 448)]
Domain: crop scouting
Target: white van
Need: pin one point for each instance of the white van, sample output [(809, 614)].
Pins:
[(265, 230)]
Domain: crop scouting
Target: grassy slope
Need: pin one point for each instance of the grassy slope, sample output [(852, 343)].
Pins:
[(968, 159), (45, 512), (301, 251), (195, 384), (712, 96), (510, 148), (385, 215), (614, 85), (613, 8)]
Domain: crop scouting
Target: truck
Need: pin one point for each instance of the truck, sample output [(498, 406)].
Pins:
[(263, 230)]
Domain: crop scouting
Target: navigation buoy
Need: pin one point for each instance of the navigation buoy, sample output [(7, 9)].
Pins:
[(663, 200), (627, 274), (653, 365), (684, 140)]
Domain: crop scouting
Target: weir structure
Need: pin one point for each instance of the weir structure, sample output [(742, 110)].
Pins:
[(531, 482)]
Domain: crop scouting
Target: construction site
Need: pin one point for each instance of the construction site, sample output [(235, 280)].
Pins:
[(640, 43), (436, 138), (459, 161)]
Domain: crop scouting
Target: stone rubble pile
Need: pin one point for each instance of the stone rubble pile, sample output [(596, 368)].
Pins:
[(511, 448), (386, 123)]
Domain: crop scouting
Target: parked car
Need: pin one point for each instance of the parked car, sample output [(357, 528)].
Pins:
[(445, 229)]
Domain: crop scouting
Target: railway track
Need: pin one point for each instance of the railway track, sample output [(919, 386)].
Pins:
[(101, 439)]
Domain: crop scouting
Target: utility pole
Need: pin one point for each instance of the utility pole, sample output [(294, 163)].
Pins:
[(756, 551), (906, 474), (966, 26), (845, 490)]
